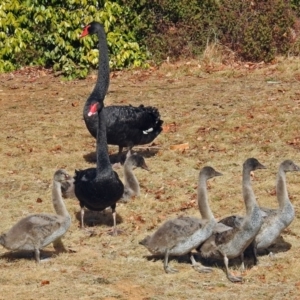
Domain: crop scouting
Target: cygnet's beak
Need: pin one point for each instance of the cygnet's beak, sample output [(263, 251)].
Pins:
[(145, 167), (67, 177)]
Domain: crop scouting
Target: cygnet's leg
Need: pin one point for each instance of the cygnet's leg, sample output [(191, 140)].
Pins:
[(59, 246), (166, 261), (254, 253), (230, 276), (37, 255), (198, 267), (242, 262), (252, 249)]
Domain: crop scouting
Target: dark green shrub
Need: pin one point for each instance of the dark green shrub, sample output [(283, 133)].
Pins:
[(295, 4), (175, 28), (256, 30), (181, 28)]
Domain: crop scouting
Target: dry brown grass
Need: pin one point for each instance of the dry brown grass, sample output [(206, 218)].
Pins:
[(226, 114)]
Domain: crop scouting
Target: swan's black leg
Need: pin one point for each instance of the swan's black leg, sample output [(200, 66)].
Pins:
[(114, 231), (81, 216)]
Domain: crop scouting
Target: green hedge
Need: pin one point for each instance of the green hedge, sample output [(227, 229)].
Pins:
[(36, 32)]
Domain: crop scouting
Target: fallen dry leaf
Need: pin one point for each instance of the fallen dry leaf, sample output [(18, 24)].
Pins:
[(39, 200), (172, 127), (56, 148), (181, 147), (44, 282)]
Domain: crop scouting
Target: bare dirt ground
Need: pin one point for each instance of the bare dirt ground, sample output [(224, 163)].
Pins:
[(214, 115)]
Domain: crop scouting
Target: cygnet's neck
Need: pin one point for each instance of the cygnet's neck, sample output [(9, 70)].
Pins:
[(281, 189), (57, 200), (203, 204), (248, 194), (130, 179)]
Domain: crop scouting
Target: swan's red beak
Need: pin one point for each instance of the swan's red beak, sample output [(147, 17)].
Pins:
[(85, 31), (93, 109)]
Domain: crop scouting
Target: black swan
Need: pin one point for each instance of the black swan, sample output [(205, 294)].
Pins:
[(131, 183), (100, 187), (126, 126), (181, 235), (39, 230), (232, 243)]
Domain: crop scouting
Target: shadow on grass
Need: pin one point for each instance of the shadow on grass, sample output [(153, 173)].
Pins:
[(96, 218), (280, 245), (29, 255), (114, 158)]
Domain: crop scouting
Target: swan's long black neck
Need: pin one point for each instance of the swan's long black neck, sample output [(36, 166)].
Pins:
[(101, 87), (103, 162), (98, 95)]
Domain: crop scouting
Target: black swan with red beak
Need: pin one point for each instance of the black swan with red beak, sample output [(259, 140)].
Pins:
[(126, 126), (100, 187)]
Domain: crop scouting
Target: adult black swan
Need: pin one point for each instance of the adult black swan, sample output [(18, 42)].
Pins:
[(100, 187), (126, 126)]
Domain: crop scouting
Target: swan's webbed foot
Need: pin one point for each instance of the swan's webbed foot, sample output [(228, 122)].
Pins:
[(45, 259), (89, 232), (234, 278), (114, 231), (201, 269), (198, 267), (170, 270), (230, 276)]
